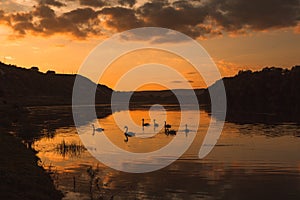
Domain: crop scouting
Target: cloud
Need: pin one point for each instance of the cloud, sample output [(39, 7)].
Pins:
[(8, 58), (1, 14), (182, 82), (297, 28), (169, 37), (121, 19), (80, 15), (16, 5), (43, 11), (20, 22), (182, 16), (192, 73), (153, 36), (177, 82), (228, 69), (195, 18), (43, 20), (214, 17), (52, 3), (80, 23), (164, 15), (92, 3), (235, 15), (127, 2)]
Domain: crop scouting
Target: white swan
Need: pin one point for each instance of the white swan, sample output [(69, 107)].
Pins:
[(96, 129), (128, 134), (186, 130)]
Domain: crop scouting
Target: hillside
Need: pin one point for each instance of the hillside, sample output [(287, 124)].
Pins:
[(25, 87), (272, 91)]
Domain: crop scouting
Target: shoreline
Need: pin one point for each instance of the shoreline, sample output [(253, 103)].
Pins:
[(21, 176)]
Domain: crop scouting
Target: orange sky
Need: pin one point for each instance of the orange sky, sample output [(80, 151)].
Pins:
[(59, 34)]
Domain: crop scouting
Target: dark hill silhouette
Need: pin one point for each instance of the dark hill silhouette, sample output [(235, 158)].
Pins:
[(20, 86), (271, 93)]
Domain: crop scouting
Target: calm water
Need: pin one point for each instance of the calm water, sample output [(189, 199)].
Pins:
[(250, 161)]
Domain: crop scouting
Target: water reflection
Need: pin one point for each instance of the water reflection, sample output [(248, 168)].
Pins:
[(250, 161)]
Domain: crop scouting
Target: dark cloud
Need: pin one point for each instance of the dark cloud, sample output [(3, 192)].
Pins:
[(127, 2), (1, 14), (121, 18), (79, 23), (21, 17), (21, 27), (186, 4), (52, 3), (196, 18), (92, 3), (184, 17), (20, 22), (177, 82), (213, 17), (180, 82), (80, 15), (43, 11), (159, 1), (192, 73), (255, 14)]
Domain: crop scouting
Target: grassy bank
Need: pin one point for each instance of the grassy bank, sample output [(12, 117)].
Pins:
[(21, 177)]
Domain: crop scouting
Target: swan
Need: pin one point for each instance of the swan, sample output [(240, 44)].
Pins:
[(167, 125), (155, 124), (97, 129), (128, 134), (186, 130), (145, 124)]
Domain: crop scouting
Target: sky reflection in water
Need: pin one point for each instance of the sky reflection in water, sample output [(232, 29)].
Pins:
[(249, 161)]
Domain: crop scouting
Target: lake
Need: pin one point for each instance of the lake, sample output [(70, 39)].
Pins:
[(249, 161)]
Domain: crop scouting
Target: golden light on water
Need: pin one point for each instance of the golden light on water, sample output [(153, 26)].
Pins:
[(243, 151), (235, 144)]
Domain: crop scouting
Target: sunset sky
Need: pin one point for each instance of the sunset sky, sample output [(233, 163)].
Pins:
[(238, 34)]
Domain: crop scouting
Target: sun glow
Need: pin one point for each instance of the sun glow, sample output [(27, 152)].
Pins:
[(133, 60)]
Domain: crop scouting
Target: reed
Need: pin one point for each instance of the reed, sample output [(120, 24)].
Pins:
[(70, 149)]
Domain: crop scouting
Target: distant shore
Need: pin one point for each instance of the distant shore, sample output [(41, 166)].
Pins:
[(271, 92)]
